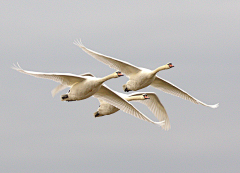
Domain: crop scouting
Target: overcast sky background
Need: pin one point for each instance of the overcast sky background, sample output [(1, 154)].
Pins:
[(39, 133)]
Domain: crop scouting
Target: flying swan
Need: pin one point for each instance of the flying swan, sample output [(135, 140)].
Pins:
[(149, 99), (140, 77), (81, 87)]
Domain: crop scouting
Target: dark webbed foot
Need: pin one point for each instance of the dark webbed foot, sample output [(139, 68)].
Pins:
[(96, 114), (127, 90), (64, 96)]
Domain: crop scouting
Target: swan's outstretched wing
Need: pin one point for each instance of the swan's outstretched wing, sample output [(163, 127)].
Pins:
[(62, 87), (114, 63), (169, 88), (63, 78), (106, 94), (155, 107), (87, 74), (101, 101)]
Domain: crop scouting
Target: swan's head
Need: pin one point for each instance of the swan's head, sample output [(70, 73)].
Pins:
[(169, 65), (118, 74), (137, 97), (145, 96)]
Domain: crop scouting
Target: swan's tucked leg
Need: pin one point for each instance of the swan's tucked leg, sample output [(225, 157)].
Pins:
[(68, 98), (96, 114), (64, 96), (125, 88)]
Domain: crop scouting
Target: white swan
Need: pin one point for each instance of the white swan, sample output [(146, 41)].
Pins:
[(141, 77), (81, 87), (150, 99), (115, 100)]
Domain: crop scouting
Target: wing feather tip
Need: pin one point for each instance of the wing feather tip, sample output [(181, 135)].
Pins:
[(78, 43), (166, 127), (16, 67), (53, 93), (161, 123), (214, 106)]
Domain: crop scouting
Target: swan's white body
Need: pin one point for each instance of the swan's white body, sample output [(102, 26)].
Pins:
[(81, 86), (153, 104), (141, 77)]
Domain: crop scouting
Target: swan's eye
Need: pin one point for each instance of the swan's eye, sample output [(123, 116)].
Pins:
[(146, 96), (68, 91), (170, 65), (119, 73)]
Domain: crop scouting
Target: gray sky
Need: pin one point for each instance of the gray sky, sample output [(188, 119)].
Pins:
[(43, 134)]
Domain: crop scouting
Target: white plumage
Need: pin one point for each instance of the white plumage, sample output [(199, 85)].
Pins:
[(81, 86), (153, 103), (111, 97)]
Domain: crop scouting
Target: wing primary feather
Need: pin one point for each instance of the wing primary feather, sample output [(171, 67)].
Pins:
[(170, 88), (64, 78), (117, 64)]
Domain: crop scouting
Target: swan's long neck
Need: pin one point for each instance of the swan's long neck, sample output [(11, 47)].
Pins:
[(164, 67), (134, 98), (107, 78)]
